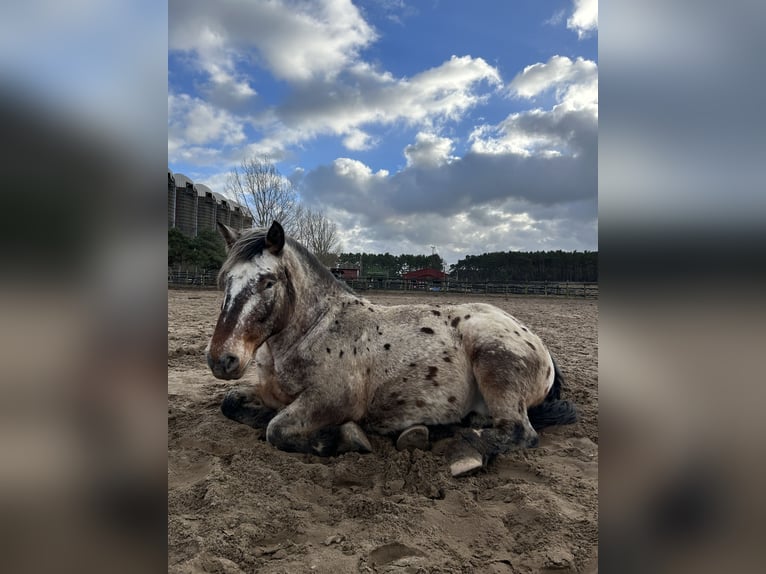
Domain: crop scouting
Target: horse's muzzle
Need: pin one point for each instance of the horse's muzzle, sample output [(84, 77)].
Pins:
[(225, 367)]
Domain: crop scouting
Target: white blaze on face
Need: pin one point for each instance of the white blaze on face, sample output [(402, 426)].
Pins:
[(242, 276)]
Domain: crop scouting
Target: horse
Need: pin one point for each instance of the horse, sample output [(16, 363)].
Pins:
[(330, 362)]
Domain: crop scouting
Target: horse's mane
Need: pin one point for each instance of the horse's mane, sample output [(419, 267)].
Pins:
[(252, 243)]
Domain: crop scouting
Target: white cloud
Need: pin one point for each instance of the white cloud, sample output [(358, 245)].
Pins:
[(364, 96), (295, 40), (192, 122), (568, 128), (429, 150), (315, 46), (559, 73), (447, 188), (584, 18), (357, 140), (356, 170)]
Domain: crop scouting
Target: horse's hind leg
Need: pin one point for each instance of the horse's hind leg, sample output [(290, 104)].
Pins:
[(505, 381), (244, 406)]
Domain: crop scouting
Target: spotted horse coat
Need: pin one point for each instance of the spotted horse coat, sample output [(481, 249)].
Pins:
[(328, 360)]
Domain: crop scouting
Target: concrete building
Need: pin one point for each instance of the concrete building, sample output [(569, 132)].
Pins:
[(194, 207)]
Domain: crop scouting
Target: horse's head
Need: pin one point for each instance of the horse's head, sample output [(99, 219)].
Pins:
[(256, 302)]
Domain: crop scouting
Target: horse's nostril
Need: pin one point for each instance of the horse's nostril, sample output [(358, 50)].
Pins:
[(230, 363)]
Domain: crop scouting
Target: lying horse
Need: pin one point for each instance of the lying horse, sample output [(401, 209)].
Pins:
[(328, 360)]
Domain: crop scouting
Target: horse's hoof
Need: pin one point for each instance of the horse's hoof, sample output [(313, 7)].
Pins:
[(353, 438), (412, 438), (233, 402), (465, 460)]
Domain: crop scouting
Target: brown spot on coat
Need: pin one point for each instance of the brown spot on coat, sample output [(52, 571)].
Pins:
[(531, 346), (427, 330), (387, 346), (432, 373), (455, 321), (420, 403), (435, 312), (413, 365), (328, 350), (447, 359), (548, 373), (452, 399), (340, 354), (467, 317)]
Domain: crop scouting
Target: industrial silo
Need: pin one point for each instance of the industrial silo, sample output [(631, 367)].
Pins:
[(206, 208), (236, 217), (186, 205), (171, 200), (223, 215)]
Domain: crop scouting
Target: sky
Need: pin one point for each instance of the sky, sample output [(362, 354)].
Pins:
[(464, 127)]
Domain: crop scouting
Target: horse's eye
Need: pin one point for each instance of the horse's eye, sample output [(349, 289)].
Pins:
[(269, 285)]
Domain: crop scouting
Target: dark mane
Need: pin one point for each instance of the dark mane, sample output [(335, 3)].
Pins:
[(322, 272), (253, 242)]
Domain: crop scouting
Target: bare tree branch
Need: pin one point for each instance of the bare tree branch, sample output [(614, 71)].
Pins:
[(319, 235), (267, 195)]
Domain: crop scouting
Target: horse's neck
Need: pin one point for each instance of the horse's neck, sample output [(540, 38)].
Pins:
[(314, 299)]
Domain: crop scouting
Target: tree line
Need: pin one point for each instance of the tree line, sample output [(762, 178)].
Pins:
[(206, 252), (522, 266)]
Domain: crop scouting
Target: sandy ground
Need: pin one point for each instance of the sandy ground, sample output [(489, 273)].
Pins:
[(236, 504)]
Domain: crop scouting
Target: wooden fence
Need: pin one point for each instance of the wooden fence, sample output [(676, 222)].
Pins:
[(539, 288)]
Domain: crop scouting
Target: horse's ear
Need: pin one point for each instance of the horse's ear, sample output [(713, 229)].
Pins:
[(230, 235), (275, 238)]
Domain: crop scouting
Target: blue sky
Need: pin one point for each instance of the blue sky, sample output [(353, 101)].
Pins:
[(469, 126)]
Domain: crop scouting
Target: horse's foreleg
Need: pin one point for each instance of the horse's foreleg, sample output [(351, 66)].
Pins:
[(243, 404), (308, 426)]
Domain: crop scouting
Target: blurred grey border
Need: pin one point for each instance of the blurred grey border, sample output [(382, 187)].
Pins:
[(681, 338), (83, 103), (83, 110)]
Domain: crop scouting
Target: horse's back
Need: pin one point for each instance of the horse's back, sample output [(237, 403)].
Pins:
[(434, 356)]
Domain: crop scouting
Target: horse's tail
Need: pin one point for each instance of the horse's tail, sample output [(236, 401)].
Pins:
[(553, 410)]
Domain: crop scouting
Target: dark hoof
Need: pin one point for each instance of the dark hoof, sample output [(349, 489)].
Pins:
[(232, 403), (239, 406), (412, 438)]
